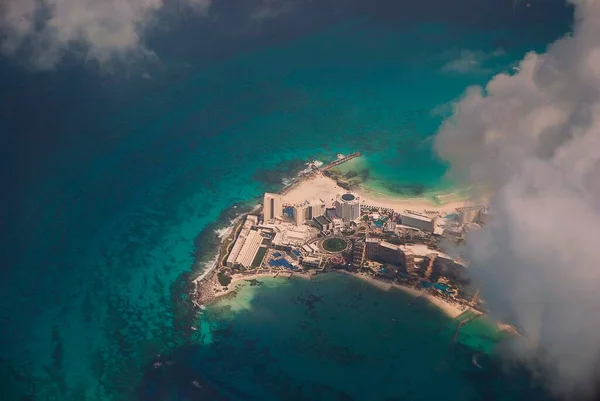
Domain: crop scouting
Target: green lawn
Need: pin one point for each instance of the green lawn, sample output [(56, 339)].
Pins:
[(260, 255), (334, 244)]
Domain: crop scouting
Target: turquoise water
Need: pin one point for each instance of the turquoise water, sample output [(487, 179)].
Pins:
[(118, 185), (334, 338)]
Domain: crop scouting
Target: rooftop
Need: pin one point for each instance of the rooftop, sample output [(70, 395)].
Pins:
[(389, 245), (415, 215), (348, 197), (322, 220)]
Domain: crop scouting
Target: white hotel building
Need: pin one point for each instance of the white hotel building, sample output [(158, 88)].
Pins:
[(417, 220), (347, 207), (272, 207)]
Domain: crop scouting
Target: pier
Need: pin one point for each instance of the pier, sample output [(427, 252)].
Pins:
[(461, 323), (311, 175), (340, 161)]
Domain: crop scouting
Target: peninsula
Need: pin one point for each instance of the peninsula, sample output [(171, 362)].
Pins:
[(316, 225)]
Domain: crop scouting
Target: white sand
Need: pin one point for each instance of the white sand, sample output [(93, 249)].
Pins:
[(239, 279), (322, 187)]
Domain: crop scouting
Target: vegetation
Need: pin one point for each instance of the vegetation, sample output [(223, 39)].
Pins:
[(224, 279), (334, 244), (260, 255)]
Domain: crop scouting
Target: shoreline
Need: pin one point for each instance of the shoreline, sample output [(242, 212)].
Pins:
[(319, 185), (452, 310), (218, 291)]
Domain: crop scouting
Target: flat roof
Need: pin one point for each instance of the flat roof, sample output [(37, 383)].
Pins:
[(389, 245), (418, 249), (415, 215), (322, 220), (348, 197)]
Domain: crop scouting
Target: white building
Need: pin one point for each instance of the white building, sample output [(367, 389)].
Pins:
[(250, 221), (417, 220), (347, 207), (272, 207), (249, 249), (306, 211)]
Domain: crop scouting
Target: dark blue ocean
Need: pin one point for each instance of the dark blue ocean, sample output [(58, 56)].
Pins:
[(114, 183)]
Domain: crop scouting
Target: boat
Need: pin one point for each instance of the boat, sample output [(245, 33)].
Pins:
[(474, 361), (196, 384), (516, 69)]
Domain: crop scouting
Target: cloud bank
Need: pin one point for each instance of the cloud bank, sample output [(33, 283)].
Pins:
[(44, 31), (534, 137)]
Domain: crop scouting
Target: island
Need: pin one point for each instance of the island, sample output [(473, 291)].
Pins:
[(318, 224)]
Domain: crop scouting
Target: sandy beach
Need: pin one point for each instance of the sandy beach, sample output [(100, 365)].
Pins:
[(212, 289), (322, 187)]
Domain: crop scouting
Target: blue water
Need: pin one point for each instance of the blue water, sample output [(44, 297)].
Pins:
[(338, 338), (114, 184)]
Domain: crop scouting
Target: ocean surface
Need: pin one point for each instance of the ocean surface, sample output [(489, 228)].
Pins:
[(115, 184)]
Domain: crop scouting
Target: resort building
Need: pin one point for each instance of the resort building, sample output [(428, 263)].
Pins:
[(312, 262), (371, 247), (409, 259), (246, 245), (417, 220), (358, 254), (389, 253), (483, 217), (288, 236), (249, 249), (323, 223), (469, 214), (385, 252), (272, 207), (306, 211), (347, 207)]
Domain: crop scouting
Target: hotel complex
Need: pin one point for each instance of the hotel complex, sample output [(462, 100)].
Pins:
[(328, 231)]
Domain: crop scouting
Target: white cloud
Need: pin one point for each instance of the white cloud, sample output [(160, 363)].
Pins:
[(534, 137), (44, 31), (471, 61)]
